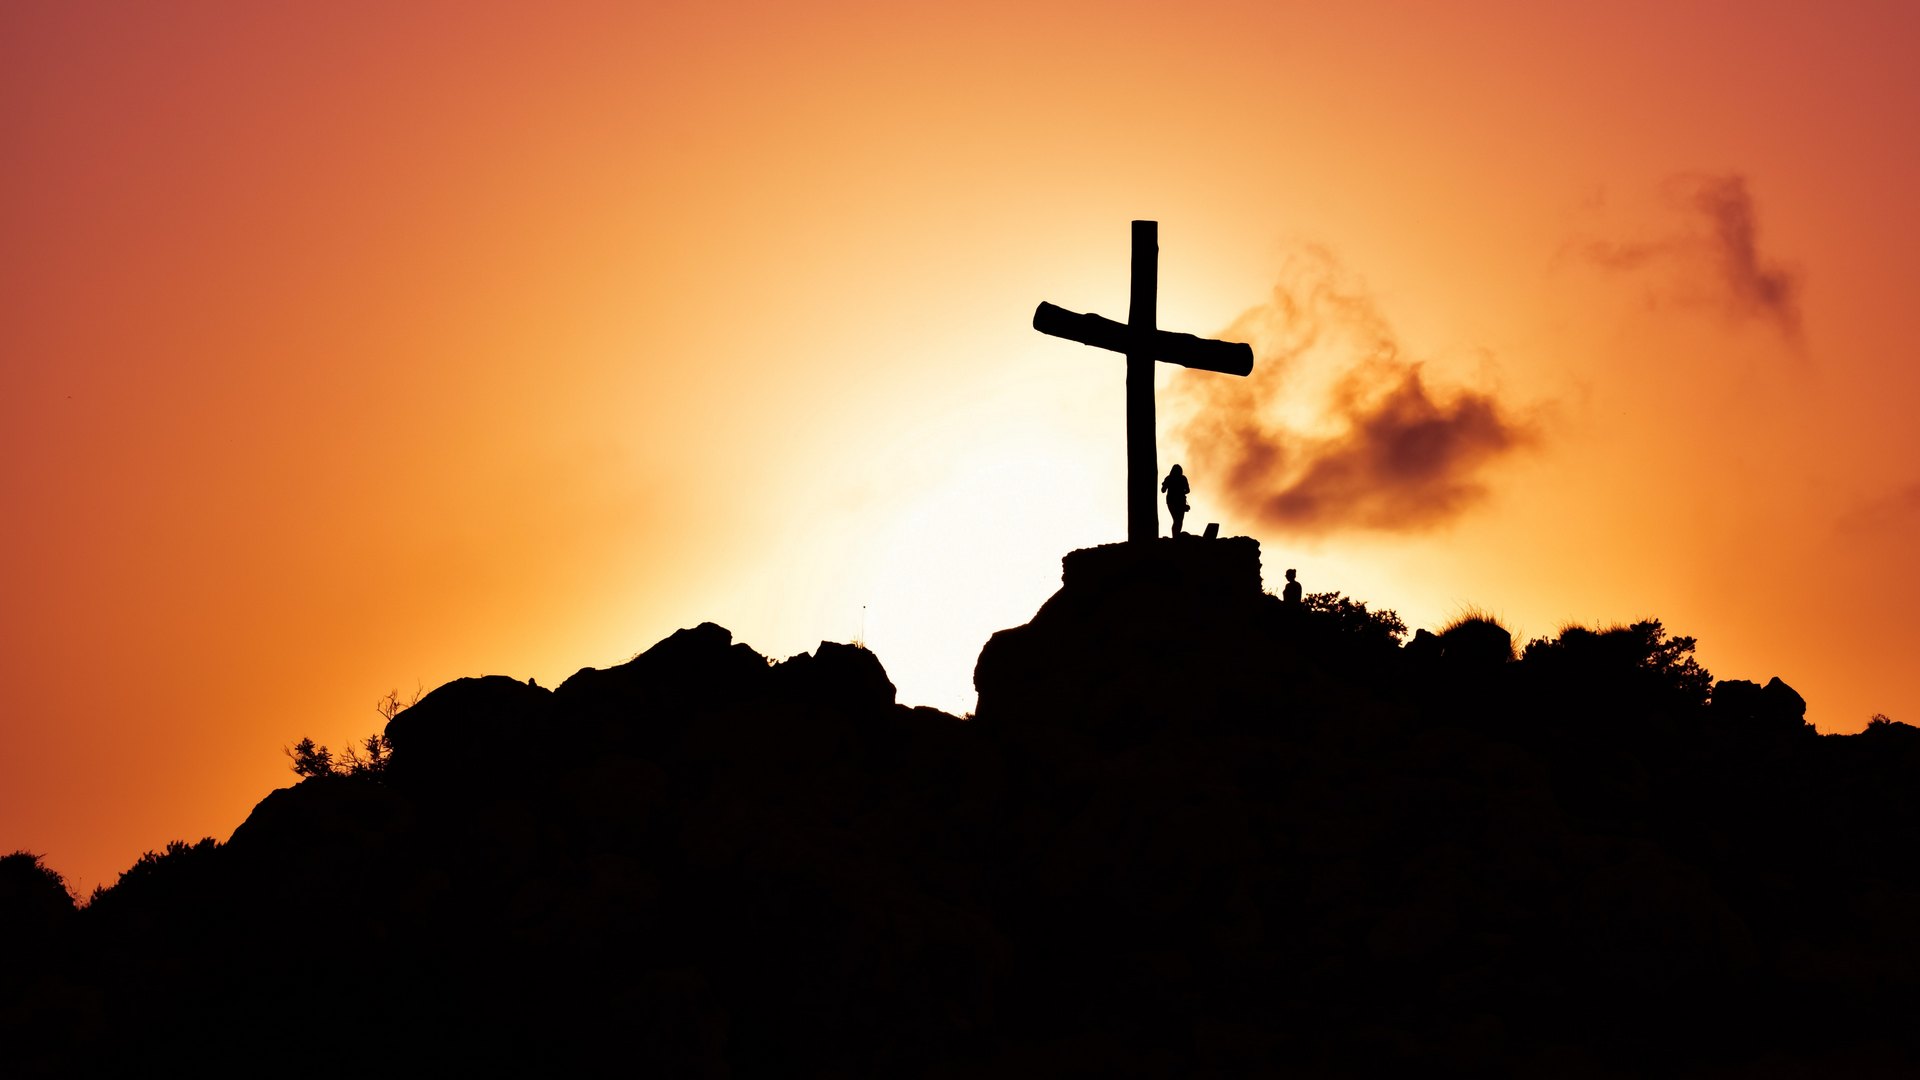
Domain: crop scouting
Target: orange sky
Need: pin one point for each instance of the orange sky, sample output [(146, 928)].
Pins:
[(352, 347)]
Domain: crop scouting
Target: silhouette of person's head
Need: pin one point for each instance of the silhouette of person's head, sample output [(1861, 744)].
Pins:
[(1289, 574), (1175, 472)]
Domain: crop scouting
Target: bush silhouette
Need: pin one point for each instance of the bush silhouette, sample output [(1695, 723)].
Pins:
[(180, 869), (1349, 618), (1882, 726), (32, 894), (368, 760), (1476, 639), (310, 759), (1640, 659)]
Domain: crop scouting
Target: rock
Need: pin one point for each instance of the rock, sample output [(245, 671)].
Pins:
[(467, 724), (1425, 648), (646, 703), (1138, 637), (1178, 566), (1775, 707), (835, 675), (1784, 702), (322, 831)]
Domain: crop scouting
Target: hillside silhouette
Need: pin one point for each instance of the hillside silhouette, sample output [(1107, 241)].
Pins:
[(1190, 829)]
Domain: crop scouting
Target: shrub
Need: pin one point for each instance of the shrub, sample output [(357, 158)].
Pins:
[(1351, 618), (30, 890), (366, 760), (1666, 663), (1476, 638), (1886, 727), (159, 871)]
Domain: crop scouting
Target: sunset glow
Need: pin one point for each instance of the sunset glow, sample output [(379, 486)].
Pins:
[(354, 347)]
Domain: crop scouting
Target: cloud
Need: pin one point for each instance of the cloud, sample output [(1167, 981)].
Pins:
[(1335, 429), (1894, 509), (1711, 252)]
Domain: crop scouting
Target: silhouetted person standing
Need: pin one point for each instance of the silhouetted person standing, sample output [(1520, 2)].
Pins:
[(1292, 592), (1175, 485)]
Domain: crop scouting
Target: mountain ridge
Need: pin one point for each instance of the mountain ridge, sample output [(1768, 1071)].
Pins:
[(1189, 828)]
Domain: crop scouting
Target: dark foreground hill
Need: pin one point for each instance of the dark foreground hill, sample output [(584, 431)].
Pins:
[(1190, 830)]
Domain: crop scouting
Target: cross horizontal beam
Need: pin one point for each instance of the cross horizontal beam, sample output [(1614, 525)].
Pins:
[(1226, 357)]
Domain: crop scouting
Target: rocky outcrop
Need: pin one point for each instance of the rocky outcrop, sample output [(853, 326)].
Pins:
[(1775, 708), (453, 731), (647, 703), (1140, 638)]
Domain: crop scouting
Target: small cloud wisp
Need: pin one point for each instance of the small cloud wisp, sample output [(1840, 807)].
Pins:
[(1713, 253)]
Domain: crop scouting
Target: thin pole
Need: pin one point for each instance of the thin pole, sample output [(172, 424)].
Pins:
[(1143, 467)]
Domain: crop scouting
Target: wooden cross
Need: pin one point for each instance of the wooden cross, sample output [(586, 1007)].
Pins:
[(1143, 344)]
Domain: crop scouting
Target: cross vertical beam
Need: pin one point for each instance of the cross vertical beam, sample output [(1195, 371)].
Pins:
[(1143, 466)]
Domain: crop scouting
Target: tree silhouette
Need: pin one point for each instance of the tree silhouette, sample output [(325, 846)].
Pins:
[(1641, 653), (1348, 617), (367, 760), (31, 892), (310, 759), (178, 869)]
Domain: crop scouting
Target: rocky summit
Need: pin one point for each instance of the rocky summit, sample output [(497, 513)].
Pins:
[(1191, 829)]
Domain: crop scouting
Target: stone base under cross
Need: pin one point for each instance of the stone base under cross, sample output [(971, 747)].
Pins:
[(1185, 563)]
